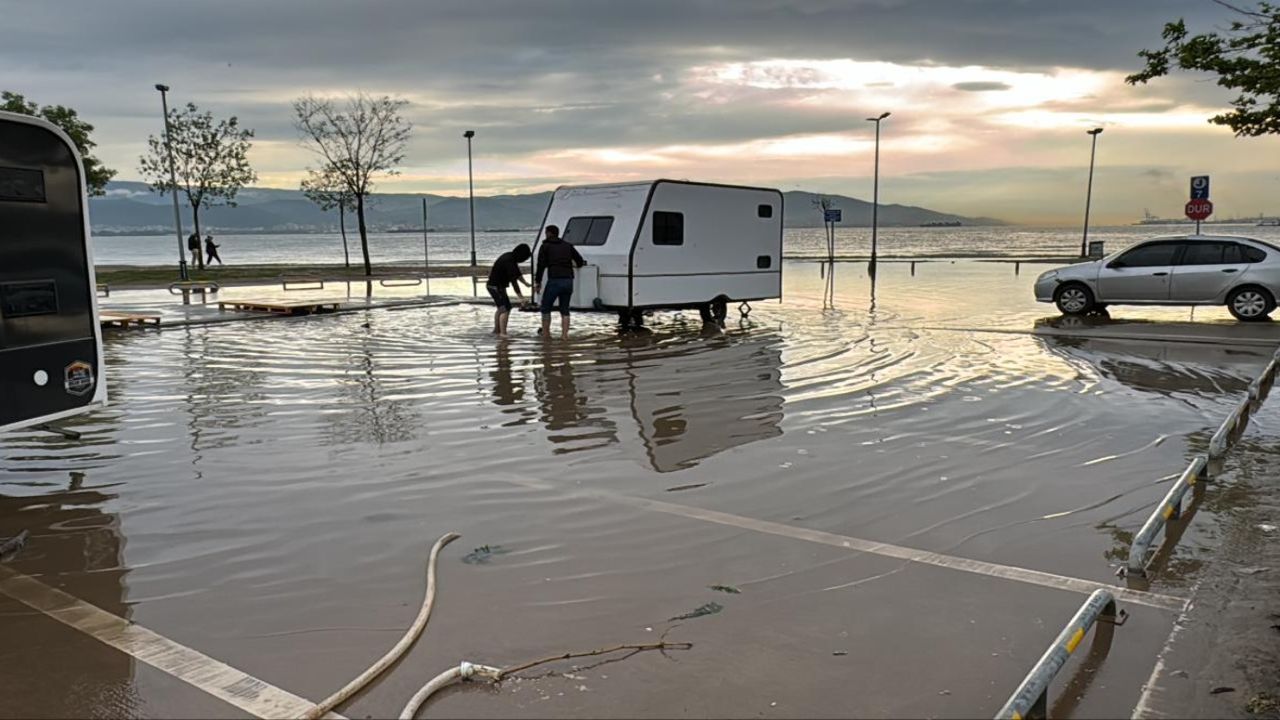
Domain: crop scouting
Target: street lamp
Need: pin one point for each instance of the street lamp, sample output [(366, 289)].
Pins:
[(471, 190), (173, 180), (1088, 194), (875, 194)]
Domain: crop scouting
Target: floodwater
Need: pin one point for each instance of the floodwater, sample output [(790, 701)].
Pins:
[(266, 492)]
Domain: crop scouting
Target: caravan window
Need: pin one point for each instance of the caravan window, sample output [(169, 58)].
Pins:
[(588, 230), (668, 228)]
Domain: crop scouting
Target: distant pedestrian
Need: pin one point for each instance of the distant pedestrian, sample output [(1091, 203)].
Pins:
[(212, 250), (506, 271), (557, 259), (193, 245)]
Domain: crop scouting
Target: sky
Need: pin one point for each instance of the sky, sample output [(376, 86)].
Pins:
[(990, 99)]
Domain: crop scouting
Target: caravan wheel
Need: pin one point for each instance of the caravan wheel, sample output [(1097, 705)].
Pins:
[(704, 312), (720, 309)]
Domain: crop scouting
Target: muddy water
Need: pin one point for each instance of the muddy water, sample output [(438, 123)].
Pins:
[(265, 492)]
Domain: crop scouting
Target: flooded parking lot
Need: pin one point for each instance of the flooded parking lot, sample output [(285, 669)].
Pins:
[(265, 492)]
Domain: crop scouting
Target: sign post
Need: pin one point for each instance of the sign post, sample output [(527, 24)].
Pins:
[(830, 217), (1200, 206)]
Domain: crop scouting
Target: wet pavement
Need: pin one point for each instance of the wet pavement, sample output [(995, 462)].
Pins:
[(266, 492)]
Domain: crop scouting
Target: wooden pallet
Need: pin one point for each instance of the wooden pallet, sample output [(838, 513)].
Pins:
[(293, 307), (127, 320)]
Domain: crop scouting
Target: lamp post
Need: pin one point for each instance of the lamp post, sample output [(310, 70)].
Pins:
[(1088, 194), (471, 192), (173, 180), (875, 194)]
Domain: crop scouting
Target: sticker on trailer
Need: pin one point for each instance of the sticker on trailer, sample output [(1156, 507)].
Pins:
[(78, 378)]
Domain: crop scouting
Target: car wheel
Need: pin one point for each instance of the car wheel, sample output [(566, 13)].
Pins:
[(1250, 303), (1073, 299)]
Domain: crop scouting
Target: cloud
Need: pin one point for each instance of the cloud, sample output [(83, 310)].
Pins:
[(570, 91), (981, 86)]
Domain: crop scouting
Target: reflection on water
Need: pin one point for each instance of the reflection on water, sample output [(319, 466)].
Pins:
[(75, 547), (687, 396), (690, 406), (575, 420), (1166, 368), (367, 409)]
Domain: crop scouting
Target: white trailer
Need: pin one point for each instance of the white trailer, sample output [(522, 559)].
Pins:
[(670, 244)]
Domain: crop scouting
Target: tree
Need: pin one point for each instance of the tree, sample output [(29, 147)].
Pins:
[(210, 158), (1245, 57), (356, 143), (329, 192), (96, 175)]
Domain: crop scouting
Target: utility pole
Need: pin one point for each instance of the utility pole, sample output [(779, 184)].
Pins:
[(471, 191), (875, 196), (1088, 193), (173, 180)]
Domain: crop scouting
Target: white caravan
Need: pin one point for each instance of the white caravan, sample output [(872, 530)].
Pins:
[(670, 244)]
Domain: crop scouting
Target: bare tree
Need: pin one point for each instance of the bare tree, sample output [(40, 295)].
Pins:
[(210, 160), (329, 192), (356, 143)]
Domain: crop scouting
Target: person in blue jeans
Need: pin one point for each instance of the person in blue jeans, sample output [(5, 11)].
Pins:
[(557, 259)]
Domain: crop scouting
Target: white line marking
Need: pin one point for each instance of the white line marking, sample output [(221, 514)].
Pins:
[(190, 666), (1153, 703), (924, 557)]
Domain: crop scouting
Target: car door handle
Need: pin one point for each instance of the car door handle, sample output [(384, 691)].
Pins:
[(1230, 270), (1159, 274)]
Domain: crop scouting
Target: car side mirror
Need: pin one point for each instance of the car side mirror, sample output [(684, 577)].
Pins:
[(1115, 264)]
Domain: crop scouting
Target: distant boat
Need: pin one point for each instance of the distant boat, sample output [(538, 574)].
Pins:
[(1261, 221)]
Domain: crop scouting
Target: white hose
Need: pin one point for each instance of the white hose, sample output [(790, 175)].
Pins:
[(463, 672), (386, 661)]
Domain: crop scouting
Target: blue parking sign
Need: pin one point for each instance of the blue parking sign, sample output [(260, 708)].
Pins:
[(831, 215), (1200, 187)]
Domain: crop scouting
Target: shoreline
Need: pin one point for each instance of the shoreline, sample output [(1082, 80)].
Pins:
[(135, 277), (151, 277)]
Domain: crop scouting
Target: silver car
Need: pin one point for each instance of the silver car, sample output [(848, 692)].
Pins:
[(1241, 273)]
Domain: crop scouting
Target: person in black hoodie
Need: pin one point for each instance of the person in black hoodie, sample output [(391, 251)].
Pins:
[(506, 271), (557, 259)]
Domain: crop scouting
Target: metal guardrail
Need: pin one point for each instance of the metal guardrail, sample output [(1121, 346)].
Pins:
[(1231, 429), (401, 283), (305, 283), (1201, 467), (1170, 508), (1031, 699)]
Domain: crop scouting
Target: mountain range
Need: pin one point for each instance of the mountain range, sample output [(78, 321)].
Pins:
[(130, 208)]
